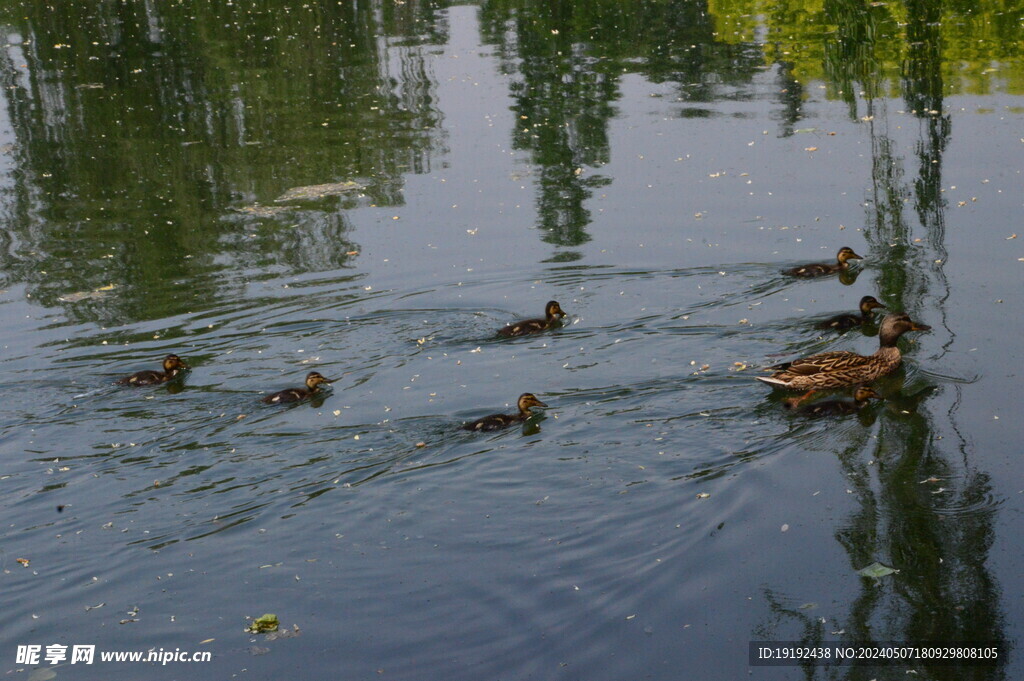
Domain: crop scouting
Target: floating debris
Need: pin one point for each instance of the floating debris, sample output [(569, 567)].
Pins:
[(876, 570), (79, 296), (262, 625), (319, 191), (256, 210), (284, 633)]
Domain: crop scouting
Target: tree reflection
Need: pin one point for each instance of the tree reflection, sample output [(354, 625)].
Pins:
[(567, 60), (922, 506), (139, 125)]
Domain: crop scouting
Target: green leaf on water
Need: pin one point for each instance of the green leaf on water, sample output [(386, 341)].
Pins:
[(261, 625), (876, 570)]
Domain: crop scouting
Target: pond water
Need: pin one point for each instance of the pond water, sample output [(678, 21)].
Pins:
[(653, 167)]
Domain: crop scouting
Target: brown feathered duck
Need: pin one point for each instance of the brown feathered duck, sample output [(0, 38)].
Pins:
[(821, 269), (552, 313), (843, 368), (861, 396), (845, 322), (499, 421), (313, 382), (173, 366)]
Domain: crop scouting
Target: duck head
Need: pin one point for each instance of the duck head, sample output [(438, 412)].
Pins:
[(173, 363), (314, 379), (896, 324), (868, 303), (553, 310), (863, 393), (527, 400), (846, 253)]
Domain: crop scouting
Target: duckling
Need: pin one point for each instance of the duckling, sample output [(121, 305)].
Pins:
[(172, 367), (821, 269), (861, 396), (843, 368), (845, 322), (499, 421), (313, 381), (552, 312)]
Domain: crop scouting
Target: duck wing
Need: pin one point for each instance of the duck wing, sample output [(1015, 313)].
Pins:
[(147, 377), (527, 326), (826, 362)]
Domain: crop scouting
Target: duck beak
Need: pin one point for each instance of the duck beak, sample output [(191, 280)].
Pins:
[(538, 403), (919, 327), (854, 256)]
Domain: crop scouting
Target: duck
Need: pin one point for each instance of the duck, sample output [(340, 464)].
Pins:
[(861, 396), (173, 366), (313, 381), (845, 322), (552, 312), (499, 421), (843, 257), (843, 368)]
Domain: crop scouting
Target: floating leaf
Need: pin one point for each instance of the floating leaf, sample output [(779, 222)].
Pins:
[(876, 570), (260, 625)]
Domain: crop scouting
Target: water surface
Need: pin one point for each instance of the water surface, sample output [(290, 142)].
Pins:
[(653, 167)]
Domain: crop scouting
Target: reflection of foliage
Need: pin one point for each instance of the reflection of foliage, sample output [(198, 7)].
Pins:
[(832, 40), (567, 59), (139, 124), (943, 592)]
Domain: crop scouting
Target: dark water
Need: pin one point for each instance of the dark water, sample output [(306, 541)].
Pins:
[(652, 166)]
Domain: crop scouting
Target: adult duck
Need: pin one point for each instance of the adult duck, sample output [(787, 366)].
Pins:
[(843, 368)]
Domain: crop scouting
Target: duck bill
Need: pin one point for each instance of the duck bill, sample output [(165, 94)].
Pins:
[(854, 256), (538, 403), (920, 327)]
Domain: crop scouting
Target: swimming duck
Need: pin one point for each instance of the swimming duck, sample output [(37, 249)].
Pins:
[(552, 312), (861, 396), (313, 381), (499, 421), (172, 367), (845, 322), (842, 368), (821, 269)]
